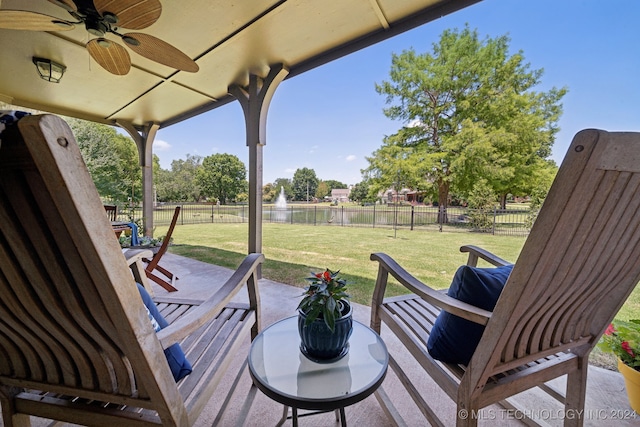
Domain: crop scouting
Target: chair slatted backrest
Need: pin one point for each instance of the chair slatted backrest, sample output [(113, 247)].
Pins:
[(112, 212), (580, 262), (71, 319)]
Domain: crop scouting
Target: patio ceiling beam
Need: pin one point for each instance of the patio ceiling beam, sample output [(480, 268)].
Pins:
[(255, 99)]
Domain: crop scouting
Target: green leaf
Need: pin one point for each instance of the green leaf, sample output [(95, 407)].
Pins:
[(329, 319)]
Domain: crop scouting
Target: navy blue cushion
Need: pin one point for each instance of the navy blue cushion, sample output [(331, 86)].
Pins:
[(180, 366), (454, 339)]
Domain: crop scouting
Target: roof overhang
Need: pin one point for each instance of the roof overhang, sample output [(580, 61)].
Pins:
[(229, 40)]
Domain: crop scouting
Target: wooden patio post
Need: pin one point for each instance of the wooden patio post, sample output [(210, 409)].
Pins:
[(144, 138), (255, 99)]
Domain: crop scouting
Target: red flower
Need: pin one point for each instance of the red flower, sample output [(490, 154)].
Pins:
[(610, 330), (627, 348), (326, 276)]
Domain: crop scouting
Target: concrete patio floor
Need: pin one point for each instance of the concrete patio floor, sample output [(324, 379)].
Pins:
[(606, 396)]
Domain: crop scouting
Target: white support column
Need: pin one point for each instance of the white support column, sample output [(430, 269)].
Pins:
[(255, 99), (144, 141)]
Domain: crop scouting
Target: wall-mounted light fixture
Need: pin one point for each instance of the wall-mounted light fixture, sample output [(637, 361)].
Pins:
[(49, 70)]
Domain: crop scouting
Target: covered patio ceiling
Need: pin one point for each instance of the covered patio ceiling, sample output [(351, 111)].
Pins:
[(229, 40)]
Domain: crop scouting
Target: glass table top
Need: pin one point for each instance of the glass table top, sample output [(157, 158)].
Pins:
[(286, 375)]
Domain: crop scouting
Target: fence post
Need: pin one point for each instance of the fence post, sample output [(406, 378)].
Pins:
[(374, 216), (315, 215), (412, 216), (440, 217), (342, 216), (495, 216)]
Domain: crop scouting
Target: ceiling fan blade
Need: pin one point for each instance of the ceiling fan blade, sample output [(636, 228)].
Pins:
[(132, 14), (160, 51), (32, 21), (110, 55), (69, 5)]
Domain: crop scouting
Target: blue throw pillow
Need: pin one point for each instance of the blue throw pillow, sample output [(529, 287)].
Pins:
[(454, 339), (180, 366)]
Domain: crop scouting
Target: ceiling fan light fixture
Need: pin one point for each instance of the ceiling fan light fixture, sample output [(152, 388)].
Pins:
[(103, 42), (131, 41), (49, 70), (109, 17)]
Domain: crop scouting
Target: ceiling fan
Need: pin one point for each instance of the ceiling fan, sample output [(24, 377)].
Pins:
[(107, 16)]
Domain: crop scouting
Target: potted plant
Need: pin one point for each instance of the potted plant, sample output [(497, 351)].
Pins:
[(325, 317), (622, 338), (143, 242)]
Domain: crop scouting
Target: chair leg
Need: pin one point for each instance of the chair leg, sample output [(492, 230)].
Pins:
[(9, 416), (467, 410), (467, 418), (168, 286), (166, 273), (576, 394)]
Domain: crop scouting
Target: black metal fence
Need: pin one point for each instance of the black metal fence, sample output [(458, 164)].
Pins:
[(497, 221)]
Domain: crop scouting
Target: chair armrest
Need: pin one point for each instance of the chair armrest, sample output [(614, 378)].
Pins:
[(476, 252), (432, 296), (135, 260), (214, 305), (135, 255)]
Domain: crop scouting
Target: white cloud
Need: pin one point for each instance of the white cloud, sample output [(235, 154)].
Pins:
[(160, 145), (351, 158)]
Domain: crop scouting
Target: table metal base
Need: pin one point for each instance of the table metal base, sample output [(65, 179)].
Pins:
[(340, 416)]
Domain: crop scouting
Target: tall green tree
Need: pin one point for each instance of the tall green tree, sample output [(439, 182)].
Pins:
[(269, 193), (304, 184), (222, 176), (469, 111), (333, 184), (360, 192), (180, 184), (394, 165), (322, 190), (111, 158), (482, 202)]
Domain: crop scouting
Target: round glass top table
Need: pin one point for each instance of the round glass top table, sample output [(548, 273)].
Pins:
[(280, 370)]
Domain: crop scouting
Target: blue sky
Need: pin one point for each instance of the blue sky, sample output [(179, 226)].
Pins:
[(330, 118)]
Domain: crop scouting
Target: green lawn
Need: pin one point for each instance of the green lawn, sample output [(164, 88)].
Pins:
[(292, 251)]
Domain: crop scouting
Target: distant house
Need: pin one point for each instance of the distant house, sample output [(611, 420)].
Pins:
[(406, 195), (340, 194), (416, 197)]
